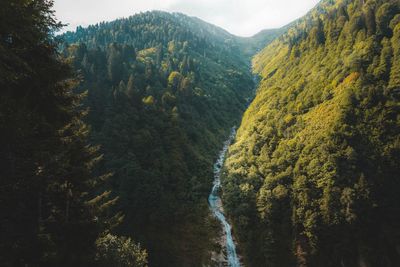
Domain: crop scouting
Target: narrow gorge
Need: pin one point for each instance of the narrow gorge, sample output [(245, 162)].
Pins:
[(214, 199), (117, 144)]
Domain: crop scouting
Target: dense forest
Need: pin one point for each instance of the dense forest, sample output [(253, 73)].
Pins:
[(313, 176), (110, 132), (163, 91), (54, 211)]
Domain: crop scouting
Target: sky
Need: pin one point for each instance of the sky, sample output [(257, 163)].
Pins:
[(240, 17)]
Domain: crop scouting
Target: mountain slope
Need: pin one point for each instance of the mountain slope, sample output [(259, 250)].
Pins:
[(313, 175), (254, 44), (163, 91)]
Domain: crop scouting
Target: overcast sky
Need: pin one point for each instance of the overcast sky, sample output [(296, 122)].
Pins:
[(240, 17)]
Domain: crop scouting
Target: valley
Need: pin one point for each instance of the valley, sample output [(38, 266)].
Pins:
[(227, 240), (119, 150)]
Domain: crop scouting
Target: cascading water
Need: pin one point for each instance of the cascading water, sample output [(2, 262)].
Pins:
[(216, 204)]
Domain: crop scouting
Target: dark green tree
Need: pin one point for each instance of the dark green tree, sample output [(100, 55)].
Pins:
[(50, 213)]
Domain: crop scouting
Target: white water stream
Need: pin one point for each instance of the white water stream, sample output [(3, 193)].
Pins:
[(216, 204)]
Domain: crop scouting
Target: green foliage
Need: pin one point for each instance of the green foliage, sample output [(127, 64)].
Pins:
[(174, 80), (119, 252), (163, 92), (395, 70), (310, 178), (50, 214), (52, 208)]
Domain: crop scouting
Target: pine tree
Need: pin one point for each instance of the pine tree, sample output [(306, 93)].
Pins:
[(47, 179)]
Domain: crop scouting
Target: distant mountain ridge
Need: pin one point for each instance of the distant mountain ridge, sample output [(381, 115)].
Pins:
[(202, 28)]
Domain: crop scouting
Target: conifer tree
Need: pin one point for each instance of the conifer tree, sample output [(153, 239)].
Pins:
[(50, 213)]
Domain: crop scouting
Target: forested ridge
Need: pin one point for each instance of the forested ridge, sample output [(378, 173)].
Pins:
[(110, 132), (163, 91), (313, 176)]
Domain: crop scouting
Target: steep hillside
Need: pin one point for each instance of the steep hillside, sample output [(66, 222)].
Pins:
[(163, 91), (312, 178)]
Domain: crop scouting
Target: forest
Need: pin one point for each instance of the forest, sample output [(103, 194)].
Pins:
[(312, 179), (110, 132), (163, 91)]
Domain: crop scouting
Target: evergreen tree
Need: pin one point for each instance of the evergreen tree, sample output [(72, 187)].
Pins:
[(50, 215)]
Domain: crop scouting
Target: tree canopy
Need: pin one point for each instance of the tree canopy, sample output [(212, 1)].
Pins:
[(163, 91), (313, 175), (52, 207)]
